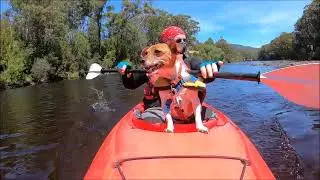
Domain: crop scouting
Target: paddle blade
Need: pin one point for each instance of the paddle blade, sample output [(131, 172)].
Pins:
[(299, 84), (94, 71)]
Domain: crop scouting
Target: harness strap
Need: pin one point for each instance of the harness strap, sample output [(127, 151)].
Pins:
[(162, 88)]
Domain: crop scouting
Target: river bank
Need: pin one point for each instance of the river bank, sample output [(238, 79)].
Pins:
[(278, 63)]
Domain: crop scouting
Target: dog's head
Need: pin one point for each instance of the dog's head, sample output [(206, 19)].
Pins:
[(156, 56), (159, 61)]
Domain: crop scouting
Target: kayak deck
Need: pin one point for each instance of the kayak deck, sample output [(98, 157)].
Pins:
[(136, 149)]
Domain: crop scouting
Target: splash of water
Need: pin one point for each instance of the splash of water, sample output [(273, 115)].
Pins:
[(102, 105)]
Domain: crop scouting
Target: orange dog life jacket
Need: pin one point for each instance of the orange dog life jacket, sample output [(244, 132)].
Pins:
[(180, 102)]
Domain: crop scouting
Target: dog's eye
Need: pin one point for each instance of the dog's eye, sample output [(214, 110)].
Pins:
[(144, 52), (158, 53)]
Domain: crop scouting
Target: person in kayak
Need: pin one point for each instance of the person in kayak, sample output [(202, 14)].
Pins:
[(178, 89), (151, 100)]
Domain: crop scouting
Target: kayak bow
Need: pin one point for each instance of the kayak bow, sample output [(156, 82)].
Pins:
[(138, 149)]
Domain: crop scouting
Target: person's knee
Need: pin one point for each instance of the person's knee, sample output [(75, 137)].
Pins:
[(154, 115)]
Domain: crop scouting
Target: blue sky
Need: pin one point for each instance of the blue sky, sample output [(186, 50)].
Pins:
[(248, 22)]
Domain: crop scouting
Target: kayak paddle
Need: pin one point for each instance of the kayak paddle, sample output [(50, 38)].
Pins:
[(299, 84), (95, 70)]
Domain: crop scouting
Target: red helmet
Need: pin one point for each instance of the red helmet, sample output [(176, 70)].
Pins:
[(170, 32)]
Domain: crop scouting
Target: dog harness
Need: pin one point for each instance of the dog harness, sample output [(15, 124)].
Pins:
[(181, 110)]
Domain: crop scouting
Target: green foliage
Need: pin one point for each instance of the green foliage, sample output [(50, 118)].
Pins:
[(161, 19), (75, 54), (93, 31), (110, 53), (208, 50), (63, 37), (40, 24), (40, 70), (81, 51), (244, 52), (307, 33), (13, 56), (302, 44), (279, 48), (226, 48), (137, 26), (124, 37), (224, 51)]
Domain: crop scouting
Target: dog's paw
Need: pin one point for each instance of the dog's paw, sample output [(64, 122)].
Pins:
[(169, 130), (203, 129)]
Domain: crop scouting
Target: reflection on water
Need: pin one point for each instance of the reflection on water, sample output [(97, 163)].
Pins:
[(54, 130)]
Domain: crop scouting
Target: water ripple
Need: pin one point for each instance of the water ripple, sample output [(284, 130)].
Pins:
[(6, 136), (33, 150)]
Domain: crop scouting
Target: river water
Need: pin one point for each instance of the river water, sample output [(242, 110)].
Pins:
[(52, 131)]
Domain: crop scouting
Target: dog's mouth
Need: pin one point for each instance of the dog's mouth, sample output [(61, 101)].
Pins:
[(153, 67)]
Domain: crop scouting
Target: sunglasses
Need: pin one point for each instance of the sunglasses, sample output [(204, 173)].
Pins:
[(181, 40)]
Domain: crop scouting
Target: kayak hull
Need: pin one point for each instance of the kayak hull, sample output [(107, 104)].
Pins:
[(136, 149)]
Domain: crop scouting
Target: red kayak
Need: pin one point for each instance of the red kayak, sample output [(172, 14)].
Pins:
[(136, 149)]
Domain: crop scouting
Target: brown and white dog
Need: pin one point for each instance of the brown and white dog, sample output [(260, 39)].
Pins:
[(164, 66)]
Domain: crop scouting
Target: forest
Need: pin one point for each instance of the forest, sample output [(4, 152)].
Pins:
[(51, 40), (301, 44)]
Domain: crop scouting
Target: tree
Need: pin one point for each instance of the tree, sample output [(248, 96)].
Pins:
[(95, 28), (226, 48), (162, 19), (94, 38), (307, 34), (13, 56), (41, 25), (208, 50), (81, 51), (58, 39), (279, 48), (123, 36)]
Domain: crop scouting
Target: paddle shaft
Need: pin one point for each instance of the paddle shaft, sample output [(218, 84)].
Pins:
[(103, 70), (239, 76), (234, 76), (222, 75)]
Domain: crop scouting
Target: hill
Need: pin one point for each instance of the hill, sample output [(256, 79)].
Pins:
[(241, 47)]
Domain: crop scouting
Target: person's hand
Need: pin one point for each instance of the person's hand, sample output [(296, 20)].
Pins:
[(209, 68), (122, 67)]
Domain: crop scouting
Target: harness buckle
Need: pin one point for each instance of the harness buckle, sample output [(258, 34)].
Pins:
[(173, 90), (178, 101)]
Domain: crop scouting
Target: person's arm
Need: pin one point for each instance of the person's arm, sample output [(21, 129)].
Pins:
[(134, 80), (196, 63), (130, 80), (193, 62)]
